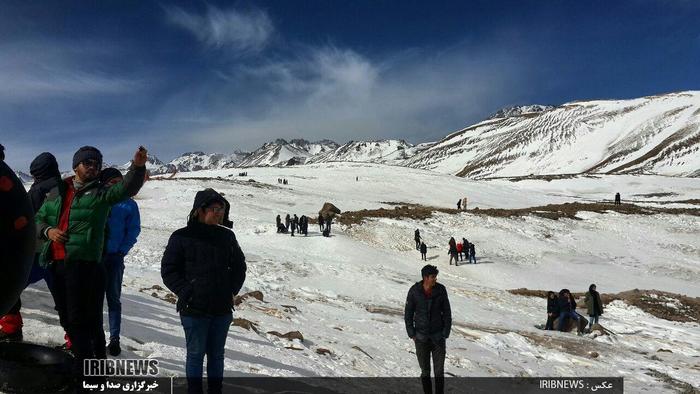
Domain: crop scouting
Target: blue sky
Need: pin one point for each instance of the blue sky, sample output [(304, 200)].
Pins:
[(220, 76)]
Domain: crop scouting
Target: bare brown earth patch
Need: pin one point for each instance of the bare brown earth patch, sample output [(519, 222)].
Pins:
[(661, 304), (551, 211)]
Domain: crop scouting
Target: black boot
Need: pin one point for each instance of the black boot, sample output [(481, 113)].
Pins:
[(427, 385), (114, 348)]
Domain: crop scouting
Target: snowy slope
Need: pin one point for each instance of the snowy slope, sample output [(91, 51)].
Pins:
[(655, 134), (345, 293), (382, 151)]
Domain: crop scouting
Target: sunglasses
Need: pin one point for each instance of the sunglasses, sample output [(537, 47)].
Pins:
[(91, 163)]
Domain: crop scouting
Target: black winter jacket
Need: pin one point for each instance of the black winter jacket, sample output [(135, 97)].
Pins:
[(553, 305), (39, 190), (428, 318), (565, 306), (205, 267)]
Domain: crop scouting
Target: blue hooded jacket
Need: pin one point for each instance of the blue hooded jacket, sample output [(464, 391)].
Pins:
[(123, 227)]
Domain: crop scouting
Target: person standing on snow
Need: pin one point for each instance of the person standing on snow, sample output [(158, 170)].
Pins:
[(617, 199), (428, 319), (594, 306), (423, 251), (472, 254), (417, 238), (73, 220), (123, 228), (204, 265), (552, 310), (287, 221), (44, 169), (459, 204), (320, 222), (453, 250)]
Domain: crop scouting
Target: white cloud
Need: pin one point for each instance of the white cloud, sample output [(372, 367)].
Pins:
[(30, 71), (243, 31)]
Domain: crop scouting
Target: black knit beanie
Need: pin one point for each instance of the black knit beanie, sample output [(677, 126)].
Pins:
[(87, 153)]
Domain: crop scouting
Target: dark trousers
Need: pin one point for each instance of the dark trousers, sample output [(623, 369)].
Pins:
[(550, 321), (114, 267), (205, 336), (418, 244), (36, 274), (422, 256), (79, 291), (424, 350)]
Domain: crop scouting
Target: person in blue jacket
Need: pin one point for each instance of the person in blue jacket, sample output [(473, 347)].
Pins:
[(123, 227)]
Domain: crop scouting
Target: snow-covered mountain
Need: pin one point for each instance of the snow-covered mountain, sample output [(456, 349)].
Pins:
[(282, 152), (196, 161), (154, 166), (519, 110), (656, 134), (383, 151), (24, 177)]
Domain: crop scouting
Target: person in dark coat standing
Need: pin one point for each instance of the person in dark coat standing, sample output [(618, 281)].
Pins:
[(552, 310), (295, 224), (472, 254), (594, 306), (459, 204), (320, 222), (44, 169), (567, 309), (423, 251), (617, 199), (453, 250), (278, 223), (204, 265), (428, 319), (287, 221), (304, 225), (417, 238)]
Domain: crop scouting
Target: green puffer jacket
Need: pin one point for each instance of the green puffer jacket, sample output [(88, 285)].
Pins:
[(88, 215)]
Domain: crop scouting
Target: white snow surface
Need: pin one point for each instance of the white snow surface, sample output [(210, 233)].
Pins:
[(326, 287)]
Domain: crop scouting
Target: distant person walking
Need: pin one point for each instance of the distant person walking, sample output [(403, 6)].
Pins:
[(428, 319), (594, 306), (459, 204), (472, 254), (423, 251), (617, 199), (320, 222), (287, 222), (417, 238), (453, 250)]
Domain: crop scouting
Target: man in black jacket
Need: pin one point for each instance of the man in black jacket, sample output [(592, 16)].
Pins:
[(428, 320), (204, 265), (44, 169)]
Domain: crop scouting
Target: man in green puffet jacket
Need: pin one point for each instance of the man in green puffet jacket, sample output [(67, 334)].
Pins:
[(73, 219)]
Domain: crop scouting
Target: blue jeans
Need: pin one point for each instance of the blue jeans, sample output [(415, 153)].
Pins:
[(472, 258), (563, 316), (593, 320), (114, 266), (205, 335)]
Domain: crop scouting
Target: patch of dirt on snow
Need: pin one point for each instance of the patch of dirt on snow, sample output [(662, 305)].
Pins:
[(661, 304), (551, 211), (678, 385)]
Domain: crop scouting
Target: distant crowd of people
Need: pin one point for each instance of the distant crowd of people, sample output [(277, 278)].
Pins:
[(456, 250), (300, 225)]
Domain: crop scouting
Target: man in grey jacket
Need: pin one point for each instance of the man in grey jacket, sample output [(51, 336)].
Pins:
[(428, 320)]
